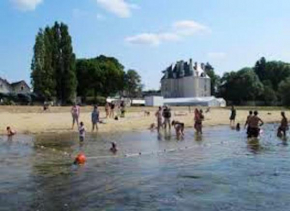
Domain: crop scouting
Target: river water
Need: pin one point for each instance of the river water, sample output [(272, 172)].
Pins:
[(219, 171)]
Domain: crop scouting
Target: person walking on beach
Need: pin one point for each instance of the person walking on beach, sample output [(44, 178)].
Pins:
[(112, 110), (75, 112), (283, 127), (247, 121), (107, 110), (255, 123), (95, 118), (158, 115), (233, 116), (167, 116)]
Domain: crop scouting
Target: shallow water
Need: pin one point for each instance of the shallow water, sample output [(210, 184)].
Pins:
[(219, 171)]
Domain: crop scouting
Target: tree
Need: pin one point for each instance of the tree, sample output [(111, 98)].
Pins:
[(284, 93), (133, 85), (260, 68), (215, 79), (243, 85), (42, 76), (53, 64)]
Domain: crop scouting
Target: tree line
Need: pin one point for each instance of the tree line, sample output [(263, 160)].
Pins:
[(58, 75), (267, 82)]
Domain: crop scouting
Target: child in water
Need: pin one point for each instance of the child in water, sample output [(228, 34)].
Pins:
[(114, 147), (283, 127), (179, 128), (82, 132), (10, 132)]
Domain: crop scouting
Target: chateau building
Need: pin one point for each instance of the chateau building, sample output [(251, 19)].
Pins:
[(185, 80)]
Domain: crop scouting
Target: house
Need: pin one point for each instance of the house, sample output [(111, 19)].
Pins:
[(185, 80), (19, 87)]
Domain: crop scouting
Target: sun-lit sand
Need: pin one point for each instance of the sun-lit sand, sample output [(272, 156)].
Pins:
[(33, 120)]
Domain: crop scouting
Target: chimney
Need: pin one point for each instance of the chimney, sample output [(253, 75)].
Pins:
[(195, 65)]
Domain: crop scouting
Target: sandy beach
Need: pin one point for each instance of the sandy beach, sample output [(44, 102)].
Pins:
[(32, 120)]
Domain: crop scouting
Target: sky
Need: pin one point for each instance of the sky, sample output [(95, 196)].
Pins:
[(150, 35)]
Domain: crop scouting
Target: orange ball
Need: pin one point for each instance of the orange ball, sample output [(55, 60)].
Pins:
[(80, 159)]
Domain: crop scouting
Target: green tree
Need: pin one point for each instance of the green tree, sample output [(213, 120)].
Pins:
[(215, 79), (243, 85), (133, 85), (284, 93)]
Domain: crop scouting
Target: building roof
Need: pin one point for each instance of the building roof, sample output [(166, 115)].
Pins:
[(19, 82), (183, 69)]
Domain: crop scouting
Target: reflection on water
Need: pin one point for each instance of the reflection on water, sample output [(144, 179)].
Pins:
[(220, 170)]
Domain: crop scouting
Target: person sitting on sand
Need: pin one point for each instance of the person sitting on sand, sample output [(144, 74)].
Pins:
[(179, 128), (247, 121), (82, 132), (158, 115), (75, 112), (95, 118), (113, 147), (283, 127), (255, 123), (10, 132)]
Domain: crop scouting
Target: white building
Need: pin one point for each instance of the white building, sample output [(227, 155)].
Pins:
[(185, 80), (20, 87)]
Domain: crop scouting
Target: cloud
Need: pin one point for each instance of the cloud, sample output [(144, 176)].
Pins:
[(217, 55), (118, 7), (189, 27), (26, 5), (178, 31)]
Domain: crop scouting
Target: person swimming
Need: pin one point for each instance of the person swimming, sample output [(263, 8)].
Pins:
[(10, 132), (80, 159), (113, 147), (179, 128), (238, 127)]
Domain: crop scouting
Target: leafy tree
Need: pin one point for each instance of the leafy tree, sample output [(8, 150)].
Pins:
[(284, 93), (260, 69), (215, 79), (133, 85), (53, 64), (243, 85)]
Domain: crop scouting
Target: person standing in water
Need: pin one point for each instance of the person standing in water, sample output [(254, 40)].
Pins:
[(283, 127), (167, 115), (82, 132), (247, 121), (158, 115), (233, 116), (75, 112), (255, 123), (95, 118), (198, 118)]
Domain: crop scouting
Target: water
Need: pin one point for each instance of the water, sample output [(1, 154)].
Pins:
[(220, 171)]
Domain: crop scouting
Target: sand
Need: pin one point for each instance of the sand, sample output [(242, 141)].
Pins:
[(32, 120)]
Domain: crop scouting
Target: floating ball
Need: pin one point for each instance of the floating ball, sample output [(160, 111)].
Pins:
[(80, 159)]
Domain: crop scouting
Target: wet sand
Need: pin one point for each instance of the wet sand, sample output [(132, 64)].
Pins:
[(32, 120)]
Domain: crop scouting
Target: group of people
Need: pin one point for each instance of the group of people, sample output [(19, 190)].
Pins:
[(254, 122), (163, 116)]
